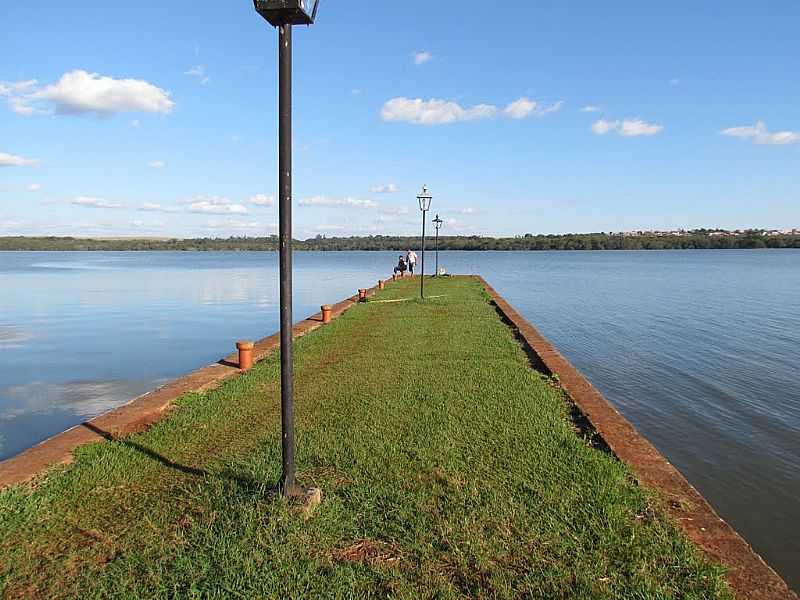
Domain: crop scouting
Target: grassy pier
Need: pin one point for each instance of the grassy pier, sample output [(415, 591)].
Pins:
[(449, 468)]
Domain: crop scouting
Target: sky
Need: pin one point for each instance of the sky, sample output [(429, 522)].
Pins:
[(159, 119)]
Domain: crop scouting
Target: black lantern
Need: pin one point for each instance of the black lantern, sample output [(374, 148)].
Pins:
[(288, 12), (437, 223), (424, 199)]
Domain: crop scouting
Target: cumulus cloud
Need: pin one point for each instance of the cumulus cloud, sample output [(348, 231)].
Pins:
[(420, 58), (199, 72), (386, 188), (759, 134), (262, 200), (157, 164), (395, 211), (590, 109), (626, 128), (153, 207), (90, 202), (13, 90), (433, 112), (34, 187), (443, 112), (11, 160), (235, 224), (339, 202), (79, 92), (216, 206), (525, 107)]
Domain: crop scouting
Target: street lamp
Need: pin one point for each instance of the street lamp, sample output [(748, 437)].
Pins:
[(283, 14), (424, 205), (437, 223)]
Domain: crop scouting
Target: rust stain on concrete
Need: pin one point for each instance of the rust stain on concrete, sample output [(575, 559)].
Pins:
[(748, 574)]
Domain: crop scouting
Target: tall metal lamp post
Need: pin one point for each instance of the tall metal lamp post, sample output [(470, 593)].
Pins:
[(283, 14), (437, 223), (424, 205)]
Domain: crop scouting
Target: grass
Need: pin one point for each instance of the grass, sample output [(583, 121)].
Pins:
[(449, 469)]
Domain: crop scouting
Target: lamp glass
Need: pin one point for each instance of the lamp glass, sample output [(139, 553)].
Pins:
[(424, 199)]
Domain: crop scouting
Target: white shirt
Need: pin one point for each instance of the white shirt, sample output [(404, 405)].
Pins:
[(412, 257)]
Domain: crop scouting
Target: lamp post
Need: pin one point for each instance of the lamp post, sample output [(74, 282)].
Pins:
[(283, 14), (437, 223), (424, 199)]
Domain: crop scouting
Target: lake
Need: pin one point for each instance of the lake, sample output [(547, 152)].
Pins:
[(698, 349)]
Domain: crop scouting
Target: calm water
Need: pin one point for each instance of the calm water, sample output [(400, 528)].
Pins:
[(698, 349)]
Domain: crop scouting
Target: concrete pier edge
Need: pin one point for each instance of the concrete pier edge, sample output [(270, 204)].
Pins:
[(749, 575)]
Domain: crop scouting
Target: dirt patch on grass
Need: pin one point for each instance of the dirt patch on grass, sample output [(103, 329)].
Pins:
[(374, 553)]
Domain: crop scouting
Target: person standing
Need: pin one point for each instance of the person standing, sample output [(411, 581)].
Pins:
[(411, 261)]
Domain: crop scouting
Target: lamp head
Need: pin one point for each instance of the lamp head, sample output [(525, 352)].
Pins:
[(287, 12), (424, 199)]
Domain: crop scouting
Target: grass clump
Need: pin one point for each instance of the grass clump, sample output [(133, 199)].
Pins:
[(449, 469)]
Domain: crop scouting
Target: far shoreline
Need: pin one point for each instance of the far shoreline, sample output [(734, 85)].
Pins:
[(694, 240)]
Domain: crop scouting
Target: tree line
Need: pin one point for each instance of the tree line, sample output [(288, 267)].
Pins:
[(588, 241)]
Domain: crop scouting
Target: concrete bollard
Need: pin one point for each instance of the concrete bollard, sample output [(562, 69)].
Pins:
[(245, 354), (381, 284), (326, 313), (362, 295)]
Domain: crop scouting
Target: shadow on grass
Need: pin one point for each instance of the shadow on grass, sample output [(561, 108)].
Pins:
[(246, 484)]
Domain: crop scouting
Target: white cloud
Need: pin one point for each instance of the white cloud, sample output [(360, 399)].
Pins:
[(341, 202), (386, 188), (34, 187), (433, 112), (420, 58), (395, 211), (262, 200), (11, 160), (152, 207), (80, 92), (199, 72), (590, 109), (8, 88), (216, 206), (468, 211), (90, 202), (519, 109), (626, 128), (637, 127), (758, 134), (442, 112), (235, 224), (525, 107), (157, 164)]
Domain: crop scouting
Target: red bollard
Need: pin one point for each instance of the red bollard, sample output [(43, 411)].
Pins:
[(245, 354), (326, 313)]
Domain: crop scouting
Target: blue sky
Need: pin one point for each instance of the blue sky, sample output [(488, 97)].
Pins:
[(159, 118)]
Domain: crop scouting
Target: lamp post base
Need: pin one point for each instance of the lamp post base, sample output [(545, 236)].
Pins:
[(300, 500)]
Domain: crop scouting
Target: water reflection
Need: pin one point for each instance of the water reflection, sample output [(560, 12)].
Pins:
[(697, 349)]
